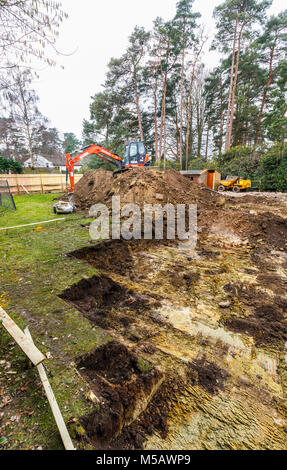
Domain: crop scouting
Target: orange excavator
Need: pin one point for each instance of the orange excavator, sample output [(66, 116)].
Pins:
[(135, 156)]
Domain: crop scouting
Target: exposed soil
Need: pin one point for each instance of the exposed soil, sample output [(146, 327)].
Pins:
[(92, 188), (262, 230), (270, 228), (124, 384), (145, 186), (114, 362), (199, 337), (100, 299), (154, 419), (257, 197), (140, 186), (208, 375), (112, 256), (268, 323)]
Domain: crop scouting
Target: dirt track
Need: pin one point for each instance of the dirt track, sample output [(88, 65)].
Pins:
[(199, 336), (282, 197)]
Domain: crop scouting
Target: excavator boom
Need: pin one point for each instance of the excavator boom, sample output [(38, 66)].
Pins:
[(135, 156)]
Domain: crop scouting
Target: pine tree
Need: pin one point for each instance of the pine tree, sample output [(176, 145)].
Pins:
[(235, 19), (276, 120), (185, 23), (271, 48)]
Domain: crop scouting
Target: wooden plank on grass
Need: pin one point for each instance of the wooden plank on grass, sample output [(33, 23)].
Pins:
[(36, 223), (53, 403), (26, 190), (29, 348)]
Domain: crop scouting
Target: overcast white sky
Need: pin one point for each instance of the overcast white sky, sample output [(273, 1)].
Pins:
[(98, 30)]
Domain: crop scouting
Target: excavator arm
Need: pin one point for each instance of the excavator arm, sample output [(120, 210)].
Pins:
[(92, 149)]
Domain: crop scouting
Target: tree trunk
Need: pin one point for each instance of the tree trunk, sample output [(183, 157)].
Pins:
[(162, 114), (234, 88), (199, 131), (155, 123), (189, 118), (258, 128), (30, 145), (188, 123), (188, 137), (245, 136), (221, 119), (138, 108), (191, 133), (177, 134), (164, 138), (181, 99), (207, 141), (189, 100), (231, 86), (27, 124)]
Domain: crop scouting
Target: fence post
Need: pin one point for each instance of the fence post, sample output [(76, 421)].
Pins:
[(17, 182), (35, 183), (41, 183)]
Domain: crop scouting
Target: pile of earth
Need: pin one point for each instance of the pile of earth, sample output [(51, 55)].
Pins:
[(266, 229), (140, 186), (92, 188), (145, 186)]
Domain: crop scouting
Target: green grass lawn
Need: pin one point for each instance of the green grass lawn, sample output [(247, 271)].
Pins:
[(34, 270), (30, 209)]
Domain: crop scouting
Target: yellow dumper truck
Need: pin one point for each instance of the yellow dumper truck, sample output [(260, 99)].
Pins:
[(234, 183)]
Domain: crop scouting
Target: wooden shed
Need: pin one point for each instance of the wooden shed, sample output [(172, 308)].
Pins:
[(209, 178)]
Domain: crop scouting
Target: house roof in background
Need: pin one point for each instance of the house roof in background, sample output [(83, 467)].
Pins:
[(39, 162), (193, 172)]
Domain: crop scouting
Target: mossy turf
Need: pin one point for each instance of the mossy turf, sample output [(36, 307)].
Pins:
[(34, 270)]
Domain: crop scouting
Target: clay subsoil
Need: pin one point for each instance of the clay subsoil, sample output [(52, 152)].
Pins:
[(198, 352)]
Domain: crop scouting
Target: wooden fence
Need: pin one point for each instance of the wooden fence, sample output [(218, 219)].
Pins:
[(37, 183)]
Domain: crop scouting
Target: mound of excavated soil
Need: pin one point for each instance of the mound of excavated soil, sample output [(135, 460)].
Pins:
[(144, 186), (139, 186), (92, 188)]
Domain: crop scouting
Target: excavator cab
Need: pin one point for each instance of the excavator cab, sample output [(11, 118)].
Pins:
[(135, 155)]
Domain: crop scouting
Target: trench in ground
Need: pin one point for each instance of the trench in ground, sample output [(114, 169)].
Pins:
[(203, 383)]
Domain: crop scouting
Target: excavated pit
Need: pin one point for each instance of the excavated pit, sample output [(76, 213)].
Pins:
[(111, 256), (124, 384), (107, 303)]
